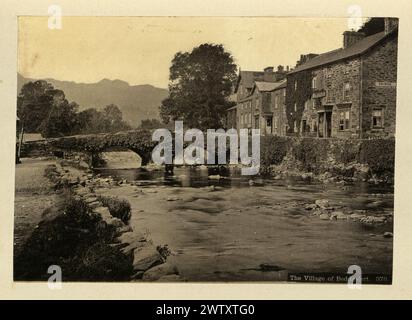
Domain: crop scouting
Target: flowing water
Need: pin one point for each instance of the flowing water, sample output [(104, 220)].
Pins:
[(226, 234)]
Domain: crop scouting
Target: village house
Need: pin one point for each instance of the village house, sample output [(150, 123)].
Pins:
[(348, 92), (253, 93)]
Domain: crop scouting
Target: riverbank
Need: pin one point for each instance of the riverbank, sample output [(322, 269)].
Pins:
[(88, 235), (34, 193)]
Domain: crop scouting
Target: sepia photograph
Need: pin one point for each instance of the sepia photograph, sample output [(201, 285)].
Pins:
[(205, 149)]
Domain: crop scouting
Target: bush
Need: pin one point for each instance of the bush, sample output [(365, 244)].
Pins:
[(379, 155), (273, 149), (311, 153), (71, 237), (118, 208), (345, 151)]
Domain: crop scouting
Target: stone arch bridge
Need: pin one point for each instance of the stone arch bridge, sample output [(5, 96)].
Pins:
[(90, 145)]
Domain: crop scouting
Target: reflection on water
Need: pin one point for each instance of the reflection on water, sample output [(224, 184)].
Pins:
[(225, 232)]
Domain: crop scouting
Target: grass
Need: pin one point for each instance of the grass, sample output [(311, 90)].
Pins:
[(78, 241)]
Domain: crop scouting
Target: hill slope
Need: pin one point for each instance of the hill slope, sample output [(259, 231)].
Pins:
[(136, 102)]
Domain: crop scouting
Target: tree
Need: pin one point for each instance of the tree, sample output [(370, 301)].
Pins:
[(200, 83), (114, 119), (42, 108), (372, 26), (151, 124), (34, 104)]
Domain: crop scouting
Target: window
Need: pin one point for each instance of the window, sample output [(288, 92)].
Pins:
[(275, 125), (296, 85), (344, 117), (307, 104), (296, 107), (284, 92), (257, 102), (377, 118), (257, 122), (314, 80), (314, 125), (303, 129), (346, 91), (295, 126), (276, 101)]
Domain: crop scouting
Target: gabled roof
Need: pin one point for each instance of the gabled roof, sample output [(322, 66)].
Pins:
[(356, 49), (249, 78), (263, 86)]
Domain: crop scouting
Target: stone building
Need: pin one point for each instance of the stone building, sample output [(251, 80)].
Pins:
[(348, 92), (253, 99), (278, 97)]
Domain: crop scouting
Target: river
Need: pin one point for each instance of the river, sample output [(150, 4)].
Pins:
[(226, 233)]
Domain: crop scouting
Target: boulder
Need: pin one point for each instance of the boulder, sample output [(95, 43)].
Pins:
[(311, 206), (338, 215), (323, 204), (115, 222), (373, 219), (357, 216), (159, 271), (324, 216), (90, 199), (133, 240), (95, 204), (146, 257), (103, 212)]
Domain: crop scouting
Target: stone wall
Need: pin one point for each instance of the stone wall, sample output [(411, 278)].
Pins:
[(335, 77), (379, 76)]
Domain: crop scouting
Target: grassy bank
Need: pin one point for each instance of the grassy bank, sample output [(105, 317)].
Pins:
[(71, 236)]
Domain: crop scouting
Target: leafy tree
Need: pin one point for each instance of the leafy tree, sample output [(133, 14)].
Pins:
[(34, 104), (200, 83), (42, 108), (151, 124), (372, 26)]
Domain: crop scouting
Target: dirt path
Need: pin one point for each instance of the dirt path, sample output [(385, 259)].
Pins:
[(33, 194)]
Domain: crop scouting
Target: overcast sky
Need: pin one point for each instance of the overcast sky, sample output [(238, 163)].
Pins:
[(139, 49)]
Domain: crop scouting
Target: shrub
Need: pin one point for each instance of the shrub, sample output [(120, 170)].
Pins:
[(379, 155), (311, 153), (71, 237), (273, 149), (344, 151), (118, 208)]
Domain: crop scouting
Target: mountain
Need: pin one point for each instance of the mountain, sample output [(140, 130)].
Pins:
[(137, 102)]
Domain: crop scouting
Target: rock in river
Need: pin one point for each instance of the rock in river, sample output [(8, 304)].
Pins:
[(324, 216), (323, 204), (160, 271), (146, 257)]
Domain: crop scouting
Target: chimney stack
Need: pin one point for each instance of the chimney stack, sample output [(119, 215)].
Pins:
[(390, 24), (268, 70), (351, 37), (280, 68)]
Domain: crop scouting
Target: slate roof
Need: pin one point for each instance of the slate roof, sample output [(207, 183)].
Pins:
[(356, 49), (270, 86), (249, 78)]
